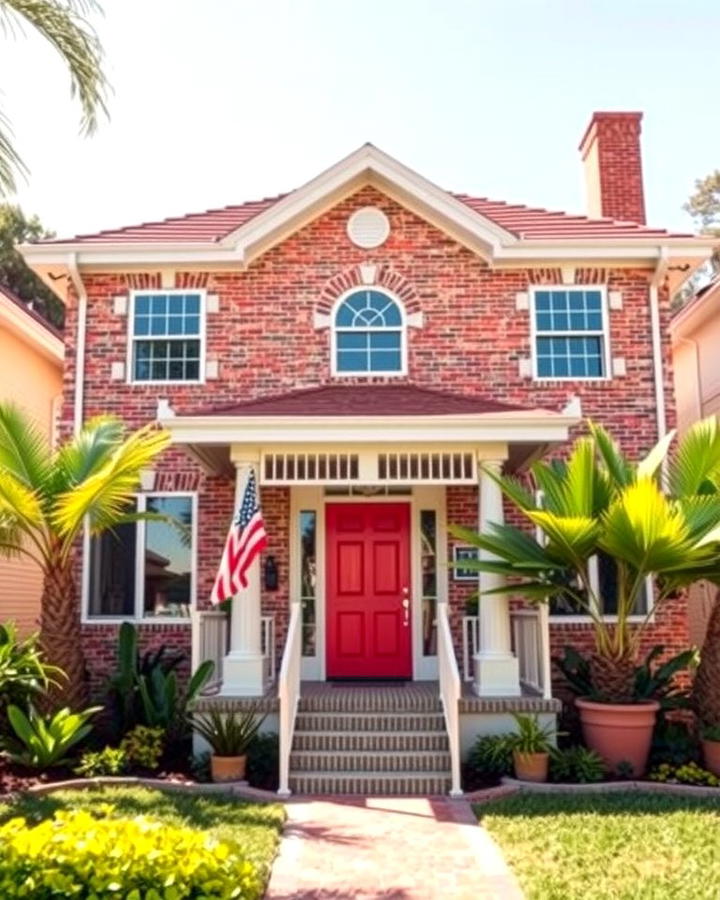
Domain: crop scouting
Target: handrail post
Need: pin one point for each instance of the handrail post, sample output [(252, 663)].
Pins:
[(450, 695), (289, 693)]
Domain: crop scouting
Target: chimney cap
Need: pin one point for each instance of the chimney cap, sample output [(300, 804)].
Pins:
[(601, 116)]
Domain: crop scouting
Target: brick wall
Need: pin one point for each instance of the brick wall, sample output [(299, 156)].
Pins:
[(263, 338)]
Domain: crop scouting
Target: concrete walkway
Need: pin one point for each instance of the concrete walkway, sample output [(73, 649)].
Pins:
[(390, 848)]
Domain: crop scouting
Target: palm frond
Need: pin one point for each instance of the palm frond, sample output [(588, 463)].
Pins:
[(66, 28), (695, 467), (10, 161), (618, 468), (20, 508), (647, 467), (87, 452), (24, 451), (570, 539)]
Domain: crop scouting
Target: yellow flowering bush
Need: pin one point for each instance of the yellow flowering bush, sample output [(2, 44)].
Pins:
[(90, 856)]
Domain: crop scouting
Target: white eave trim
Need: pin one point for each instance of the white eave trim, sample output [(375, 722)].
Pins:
[(24, 326), (535, 426)]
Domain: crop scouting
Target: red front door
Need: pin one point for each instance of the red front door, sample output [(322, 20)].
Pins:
[(368, 590)]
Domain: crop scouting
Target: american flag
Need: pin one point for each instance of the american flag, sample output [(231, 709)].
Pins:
[(245, 540)]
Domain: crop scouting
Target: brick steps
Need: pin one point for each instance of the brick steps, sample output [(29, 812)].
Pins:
[(374, 740)]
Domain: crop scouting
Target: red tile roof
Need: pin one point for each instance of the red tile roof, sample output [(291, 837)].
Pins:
[(522, 221), (363, 400)]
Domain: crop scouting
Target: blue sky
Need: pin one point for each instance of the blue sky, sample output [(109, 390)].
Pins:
[(219, 101)]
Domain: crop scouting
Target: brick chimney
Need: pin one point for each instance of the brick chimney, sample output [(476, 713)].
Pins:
[(610, 150)]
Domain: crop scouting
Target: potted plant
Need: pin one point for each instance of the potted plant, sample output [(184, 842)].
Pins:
[(531, 746), (229, 736), (599, 503)]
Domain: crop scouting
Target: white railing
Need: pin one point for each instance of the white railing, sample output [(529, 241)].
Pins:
[(211, 640), (531, 645), (289, 693), (470, 645), (450, 688)]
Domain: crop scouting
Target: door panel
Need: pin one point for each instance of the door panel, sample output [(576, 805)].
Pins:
[(368, 578)]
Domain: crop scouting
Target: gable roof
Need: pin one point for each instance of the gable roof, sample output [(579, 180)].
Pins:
[(18, 317)]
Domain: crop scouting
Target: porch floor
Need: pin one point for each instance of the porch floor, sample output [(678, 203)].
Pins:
[(409, 694)]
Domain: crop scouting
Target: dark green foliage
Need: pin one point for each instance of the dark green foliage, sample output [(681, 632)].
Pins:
[(263, 761), (490, 758), (229, 734), (23, 673), (576, 765), (165, 705), (45, 741), (673, 743), (531, 736)]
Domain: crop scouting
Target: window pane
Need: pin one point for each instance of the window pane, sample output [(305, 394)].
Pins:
[(352, 340), (142, 305), (385, 361), (428, 558), (167, 572), (112, 573), (352, 361), (385, 340), (308, 579), (176, 304), (142, 325), (158, 304)]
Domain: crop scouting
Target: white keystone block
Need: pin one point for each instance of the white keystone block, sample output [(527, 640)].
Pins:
[(618, 366), (368, 272), (213, 303), (567, 273), (120, 305), (211, 369), (117, 371), (615, 299), (522, 300), (525, 368)]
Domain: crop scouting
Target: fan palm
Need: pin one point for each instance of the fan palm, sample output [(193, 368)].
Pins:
[(48, 497), (659, 517), (64, 25)]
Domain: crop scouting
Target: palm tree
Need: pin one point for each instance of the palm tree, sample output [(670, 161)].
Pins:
[(64, 25), (48, 497), (659, 517)]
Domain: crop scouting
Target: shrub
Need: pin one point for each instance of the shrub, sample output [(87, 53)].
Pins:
[(165, 705), (674, 743), (110, 761), (491, 757), (263, 761), (44, 741), (576, 765), (23, 672), (690, 773), (143, 746), (78, 854)]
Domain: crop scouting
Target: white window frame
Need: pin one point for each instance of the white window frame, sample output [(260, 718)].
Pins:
[(140, 618), (603, 334), (403, 329), (131, 337)]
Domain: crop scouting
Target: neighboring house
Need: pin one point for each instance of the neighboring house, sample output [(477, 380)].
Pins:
[(695, 335), (31, 375), (363, 344)]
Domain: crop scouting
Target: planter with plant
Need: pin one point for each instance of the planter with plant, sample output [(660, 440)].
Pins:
[(229, 736), (600, 504), (531, 746)]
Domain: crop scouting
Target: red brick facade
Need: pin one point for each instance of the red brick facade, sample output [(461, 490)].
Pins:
[(619, 164), (472, 340)]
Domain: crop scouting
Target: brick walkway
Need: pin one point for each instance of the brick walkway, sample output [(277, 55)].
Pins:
[(390, 848)]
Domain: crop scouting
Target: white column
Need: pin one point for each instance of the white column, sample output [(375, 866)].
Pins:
[(243, 668), (496, 668)]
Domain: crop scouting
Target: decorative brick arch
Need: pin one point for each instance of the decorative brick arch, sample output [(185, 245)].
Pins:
[(368, 275)]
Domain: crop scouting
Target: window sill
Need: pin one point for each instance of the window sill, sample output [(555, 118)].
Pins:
[(586, 620), (119, 620), (550, 379), (151, 382)]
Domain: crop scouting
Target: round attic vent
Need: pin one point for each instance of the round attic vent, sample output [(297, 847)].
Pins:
[(368, 227)]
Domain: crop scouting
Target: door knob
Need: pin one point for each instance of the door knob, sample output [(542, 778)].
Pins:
[(406, 610)]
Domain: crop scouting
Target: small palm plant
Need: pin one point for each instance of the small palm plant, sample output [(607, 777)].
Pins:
[(47, 498), (659, 517)]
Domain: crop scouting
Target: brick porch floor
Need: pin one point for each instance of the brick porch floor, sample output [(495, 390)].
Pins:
[(388, 848)]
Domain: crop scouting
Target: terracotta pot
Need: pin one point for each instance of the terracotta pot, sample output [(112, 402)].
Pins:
[(711, 755), (531, 766), (619, 732), (227, 768)]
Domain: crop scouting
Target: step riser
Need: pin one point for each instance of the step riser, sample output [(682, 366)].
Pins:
[(349, 704), (398, 785), (369, 742), (370, 723), (350, 763)]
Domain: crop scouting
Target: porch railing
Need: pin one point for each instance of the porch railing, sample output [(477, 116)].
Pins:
[(450, 687), (530, 643), (289, 693), (211, 640)]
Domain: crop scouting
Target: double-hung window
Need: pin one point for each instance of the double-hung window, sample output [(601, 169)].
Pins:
[(146, 570), (369, 335), (570, 333), (167, 333)]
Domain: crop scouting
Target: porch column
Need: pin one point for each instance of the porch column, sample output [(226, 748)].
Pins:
[(243, 669), (496, 668)]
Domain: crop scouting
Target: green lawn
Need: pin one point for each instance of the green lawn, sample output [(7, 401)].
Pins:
[(253, 826), (612, 846)]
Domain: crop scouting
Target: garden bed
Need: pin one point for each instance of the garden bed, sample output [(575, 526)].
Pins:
[(639, 845)]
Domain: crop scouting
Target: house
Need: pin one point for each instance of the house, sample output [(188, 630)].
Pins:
[(369, 346), (695, 337), (31, 375)]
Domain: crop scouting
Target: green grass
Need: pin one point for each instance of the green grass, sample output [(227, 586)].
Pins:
[(609, 847), (253, 826)]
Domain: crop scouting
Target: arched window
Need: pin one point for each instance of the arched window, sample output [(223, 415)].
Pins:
[(369, 335)]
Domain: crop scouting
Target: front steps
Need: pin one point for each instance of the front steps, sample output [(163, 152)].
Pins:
[(370, 740)]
